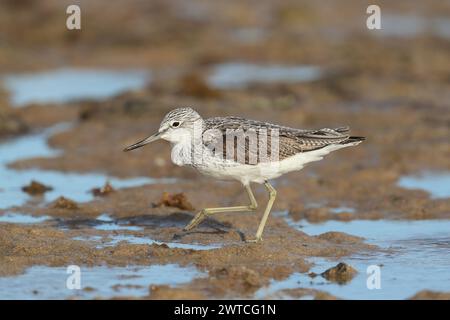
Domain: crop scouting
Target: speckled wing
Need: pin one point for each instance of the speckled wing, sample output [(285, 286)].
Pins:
[(291, 141)]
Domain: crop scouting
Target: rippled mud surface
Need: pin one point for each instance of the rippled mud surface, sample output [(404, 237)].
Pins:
[(384, 203)]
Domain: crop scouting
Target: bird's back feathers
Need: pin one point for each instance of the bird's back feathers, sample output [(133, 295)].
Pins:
[(291, 141)]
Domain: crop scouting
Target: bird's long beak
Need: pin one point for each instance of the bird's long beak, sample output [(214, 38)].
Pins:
[(143, 142)]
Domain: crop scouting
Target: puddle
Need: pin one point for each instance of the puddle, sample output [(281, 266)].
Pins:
[(22, 218), (238, 75), (435, 183), (75, 186), (41, 282), (409, 26), (418, 258), (114, 239), (105, 218), (342, 209), (88, 238), (116, 227), (67, 84), (30, 146), (107, 223)]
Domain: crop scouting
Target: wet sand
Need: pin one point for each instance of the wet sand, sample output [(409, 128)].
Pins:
[(393, 90)]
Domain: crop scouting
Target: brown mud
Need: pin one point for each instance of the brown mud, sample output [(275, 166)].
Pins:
[(36, 188), (341, 273)]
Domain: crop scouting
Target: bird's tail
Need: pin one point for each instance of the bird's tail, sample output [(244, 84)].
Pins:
[(342, 129), (353, 140)]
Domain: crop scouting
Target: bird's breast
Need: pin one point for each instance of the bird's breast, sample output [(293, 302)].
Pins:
[(180, 154)]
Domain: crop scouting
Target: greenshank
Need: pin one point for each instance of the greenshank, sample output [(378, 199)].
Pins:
[(248, 151)]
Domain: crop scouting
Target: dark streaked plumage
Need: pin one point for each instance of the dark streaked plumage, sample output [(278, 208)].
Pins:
[(291, 141)]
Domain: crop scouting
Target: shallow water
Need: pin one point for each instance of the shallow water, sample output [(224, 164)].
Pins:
[(75, 186), (19, 218), (116, 227), (41, 282), (67, 84), (116, 238), (415, 256), (342, 209), (107, 223), (435, 183), (238, 75)]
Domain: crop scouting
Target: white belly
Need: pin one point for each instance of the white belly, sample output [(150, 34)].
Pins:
[(230, 170), (264, 171)]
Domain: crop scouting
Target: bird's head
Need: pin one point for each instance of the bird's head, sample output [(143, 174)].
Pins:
[(176, 126)]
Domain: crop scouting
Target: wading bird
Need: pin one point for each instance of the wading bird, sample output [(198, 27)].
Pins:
[(245, 150)]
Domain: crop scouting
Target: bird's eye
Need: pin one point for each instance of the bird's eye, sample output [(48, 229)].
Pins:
[(175, 124)]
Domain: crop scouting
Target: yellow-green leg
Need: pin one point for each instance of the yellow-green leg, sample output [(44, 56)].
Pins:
[(272, 196), (199, 217)]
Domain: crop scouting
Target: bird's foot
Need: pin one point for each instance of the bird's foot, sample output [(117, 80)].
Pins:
[(195, 221), (255, 240)]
